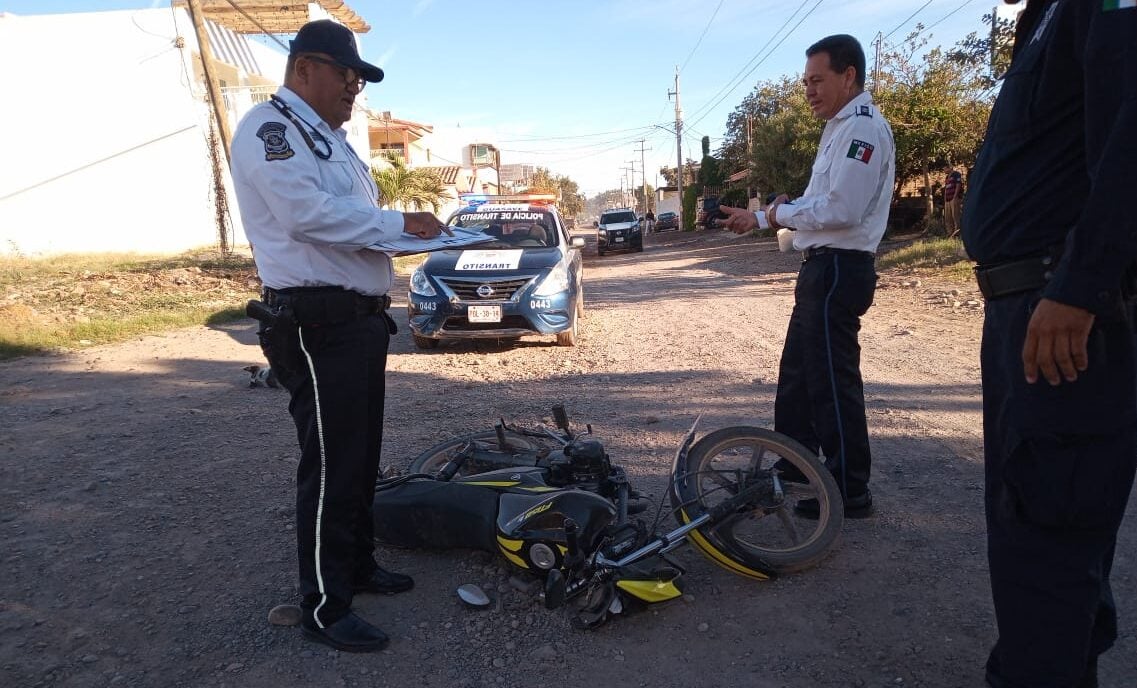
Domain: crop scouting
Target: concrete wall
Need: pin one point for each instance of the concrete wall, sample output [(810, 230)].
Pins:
[(105, 140)]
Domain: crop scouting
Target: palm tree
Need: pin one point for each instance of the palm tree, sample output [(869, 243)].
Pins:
[(407, 187)]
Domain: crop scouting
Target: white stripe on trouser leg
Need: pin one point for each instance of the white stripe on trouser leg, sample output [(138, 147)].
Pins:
[(323, 477), (833, 373)]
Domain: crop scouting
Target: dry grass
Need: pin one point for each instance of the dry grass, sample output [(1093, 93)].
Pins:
[(71, 301), (946, 256)]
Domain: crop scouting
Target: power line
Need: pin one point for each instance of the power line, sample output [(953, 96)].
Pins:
[(898, 26), (700, 41), (946, 16), (708, 109), (576, 136), (757, 54)]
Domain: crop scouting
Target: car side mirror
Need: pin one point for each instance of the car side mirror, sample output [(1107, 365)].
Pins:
[(577, 242)]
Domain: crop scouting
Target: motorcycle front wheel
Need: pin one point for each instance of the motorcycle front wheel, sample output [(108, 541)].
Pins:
[(432, 460), (765, 536)]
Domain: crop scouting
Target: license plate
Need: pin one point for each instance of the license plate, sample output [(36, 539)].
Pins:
[(484, 314), (619, 240)]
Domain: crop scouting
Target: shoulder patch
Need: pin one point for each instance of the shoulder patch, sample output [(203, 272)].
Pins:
[(859, 150), (276, 145), (864, 111)]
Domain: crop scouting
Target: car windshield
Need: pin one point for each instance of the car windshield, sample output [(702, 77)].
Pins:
[(512, 228), (666, 216), (611, 218)]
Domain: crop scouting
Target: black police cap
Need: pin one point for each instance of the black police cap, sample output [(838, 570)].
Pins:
[(328, 37)]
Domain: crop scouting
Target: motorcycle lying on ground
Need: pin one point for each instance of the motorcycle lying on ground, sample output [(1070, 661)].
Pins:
[(552, 503)]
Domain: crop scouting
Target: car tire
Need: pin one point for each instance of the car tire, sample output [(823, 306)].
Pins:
[(568, 337), (600, 252), (425, 342), (639, 248)]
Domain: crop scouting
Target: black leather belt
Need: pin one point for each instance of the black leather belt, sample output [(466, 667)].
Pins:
[(823, 250), (1015, 276), (324, 305)]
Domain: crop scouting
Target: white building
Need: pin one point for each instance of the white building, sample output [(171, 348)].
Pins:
[(108, 129)]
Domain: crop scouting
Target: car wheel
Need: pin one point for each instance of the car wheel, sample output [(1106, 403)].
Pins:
[(600, 252), (568, 337), (425, 342), (639, 248)]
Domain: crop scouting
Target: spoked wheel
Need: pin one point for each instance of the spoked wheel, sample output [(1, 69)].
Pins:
[(432, 460), (764, 535)]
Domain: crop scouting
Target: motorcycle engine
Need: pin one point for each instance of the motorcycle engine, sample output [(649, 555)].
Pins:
[(581, 461)]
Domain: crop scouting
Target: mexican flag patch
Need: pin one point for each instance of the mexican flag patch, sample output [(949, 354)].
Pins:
[(859, 150), (1108, 5)]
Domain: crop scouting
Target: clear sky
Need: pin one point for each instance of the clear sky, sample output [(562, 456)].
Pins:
[(575, 86)]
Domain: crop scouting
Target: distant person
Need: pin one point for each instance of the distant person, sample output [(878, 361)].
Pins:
[(839, 222), (1050, 221), (953, 200), (309, 206), (650, 219)]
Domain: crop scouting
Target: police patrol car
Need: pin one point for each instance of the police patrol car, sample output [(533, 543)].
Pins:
[(526, 281)]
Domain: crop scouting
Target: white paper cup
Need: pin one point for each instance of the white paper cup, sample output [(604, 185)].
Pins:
[(785, 240)]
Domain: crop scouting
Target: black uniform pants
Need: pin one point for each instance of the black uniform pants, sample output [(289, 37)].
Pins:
[(821, 398), (1059, 467), (335, 374)]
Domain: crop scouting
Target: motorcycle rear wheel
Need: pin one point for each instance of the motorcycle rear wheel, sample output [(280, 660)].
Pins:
[(432, 460), (763, 539)]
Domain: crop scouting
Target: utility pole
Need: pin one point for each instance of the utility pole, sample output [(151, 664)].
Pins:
[(632, 181), (678, 144), (994, 37), (643, 168), (630, 177), (215, 98), (876, 61)]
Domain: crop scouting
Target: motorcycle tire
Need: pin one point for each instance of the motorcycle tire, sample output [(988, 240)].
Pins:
[(432, 460), (768, 539)]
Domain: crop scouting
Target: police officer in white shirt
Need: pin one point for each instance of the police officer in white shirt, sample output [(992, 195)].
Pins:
[(310, 210), (839, 221)]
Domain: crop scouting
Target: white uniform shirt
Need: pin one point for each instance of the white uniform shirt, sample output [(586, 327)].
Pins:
[(308, 219), (847, 200)]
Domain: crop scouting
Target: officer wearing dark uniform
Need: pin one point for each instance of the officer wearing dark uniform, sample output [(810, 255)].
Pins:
[(309, 208), (1053, 251)]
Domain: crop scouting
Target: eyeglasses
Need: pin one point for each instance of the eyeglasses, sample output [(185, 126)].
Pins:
[(350, 76)]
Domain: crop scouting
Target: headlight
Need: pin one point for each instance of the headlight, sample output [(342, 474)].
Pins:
[(554, 283), (421, 285)]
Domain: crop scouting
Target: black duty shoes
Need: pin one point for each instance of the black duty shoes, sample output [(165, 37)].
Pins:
[(349, 634), (386, 582), (789, 473), (859, 506)]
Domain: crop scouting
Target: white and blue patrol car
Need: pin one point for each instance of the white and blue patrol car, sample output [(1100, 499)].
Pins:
[(528, 280)]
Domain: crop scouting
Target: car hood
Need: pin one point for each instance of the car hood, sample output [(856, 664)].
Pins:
[(503, 262), (618, 225)]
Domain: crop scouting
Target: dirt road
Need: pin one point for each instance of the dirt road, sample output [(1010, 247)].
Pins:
[(146, 500)]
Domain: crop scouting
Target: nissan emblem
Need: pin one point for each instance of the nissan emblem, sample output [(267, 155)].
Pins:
[(485, 291)]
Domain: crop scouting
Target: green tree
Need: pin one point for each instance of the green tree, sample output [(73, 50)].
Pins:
[(670, 176), (639, 192), (710, 169), (936, 106), (774, 135), (690, 200), (993, 49), (569, 200), (417, 188)]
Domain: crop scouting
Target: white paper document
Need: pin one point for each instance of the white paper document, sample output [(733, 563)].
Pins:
[(408, 244)]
